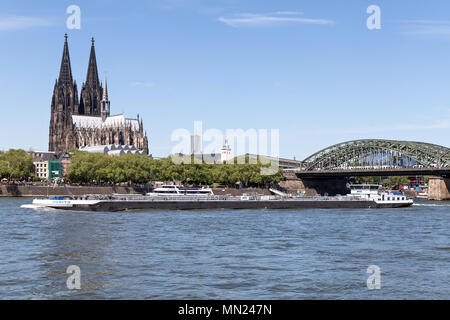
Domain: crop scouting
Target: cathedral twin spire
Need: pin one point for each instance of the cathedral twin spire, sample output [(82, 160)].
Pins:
[(91, 91), (65, 72), (92, 74)]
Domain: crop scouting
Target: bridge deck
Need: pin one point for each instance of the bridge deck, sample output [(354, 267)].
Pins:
[(443, 172)]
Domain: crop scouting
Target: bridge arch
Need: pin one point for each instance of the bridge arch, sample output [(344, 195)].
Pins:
[(378, 153)]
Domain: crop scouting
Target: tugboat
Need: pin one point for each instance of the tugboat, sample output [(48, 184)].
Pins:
[(361, 196)]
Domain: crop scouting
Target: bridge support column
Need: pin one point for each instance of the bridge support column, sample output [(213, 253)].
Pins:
[(439, 188), (315, 186), (329, 186)]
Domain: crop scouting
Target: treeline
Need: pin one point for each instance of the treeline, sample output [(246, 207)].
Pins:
[(93, 167), (16, 164), (387, 182)]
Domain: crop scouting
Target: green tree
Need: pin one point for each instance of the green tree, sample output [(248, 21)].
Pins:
[(88, 167), (16, 163), (369, 180)]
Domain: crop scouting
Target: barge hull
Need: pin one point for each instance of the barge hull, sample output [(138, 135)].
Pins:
[(116, 205)]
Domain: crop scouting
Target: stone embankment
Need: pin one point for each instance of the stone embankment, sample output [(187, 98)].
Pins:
[(60, 191), (240, 192), (12, 190)]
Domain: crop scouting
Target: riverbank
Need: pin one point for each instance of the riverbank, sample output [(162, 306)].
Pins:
[(12, 190)]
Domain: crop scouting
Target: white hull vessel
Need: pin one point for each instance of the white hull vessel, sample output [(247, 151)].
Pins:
[(179, 191), (61, 203)]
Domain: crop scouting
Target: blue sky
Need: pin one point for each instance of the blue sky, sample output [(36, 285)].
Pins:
[(311, 69)]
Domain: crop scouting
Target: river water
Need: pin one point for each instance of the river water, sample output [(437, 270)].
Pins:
[(221, 254)]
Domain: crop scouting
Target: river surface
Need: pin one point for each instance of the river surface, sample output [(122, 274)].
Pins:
[(222, 254)]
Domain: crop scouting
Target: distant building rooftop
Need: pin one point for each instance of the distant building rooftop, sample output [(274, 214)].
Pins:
[(112, 149)]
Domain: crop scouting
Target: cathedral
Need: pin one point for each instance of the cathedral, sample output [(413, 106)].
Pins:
[(77, 123)]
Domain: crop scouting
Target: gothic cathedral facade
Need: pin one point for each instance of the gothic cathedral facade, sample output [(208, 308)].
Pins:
[(86, 121)]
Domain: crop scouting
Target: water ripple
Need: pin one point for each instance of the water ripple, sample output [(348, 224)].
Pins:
[(220, 254)]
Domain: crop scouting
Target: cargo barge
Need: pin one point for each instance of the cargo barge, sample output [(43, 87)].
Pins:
[(364, 196)]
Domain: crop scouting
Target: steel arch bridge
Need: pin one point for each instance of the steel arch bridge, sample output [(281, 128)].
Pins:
[(378, 154)]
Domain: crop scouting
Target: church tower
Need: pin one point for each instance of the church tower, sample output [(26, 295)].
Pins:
[(225, 152), (64, 104), (91, 91), (105, 104)]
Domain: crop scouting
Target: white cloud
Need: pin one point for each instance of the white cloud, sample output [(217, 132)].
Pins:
[(142, 84), (288, 12), (427, 27), (275, 18), (9, 23)]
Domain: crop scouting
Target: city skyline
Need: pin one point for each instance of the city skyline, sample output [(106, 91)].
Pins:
[(313, 71)]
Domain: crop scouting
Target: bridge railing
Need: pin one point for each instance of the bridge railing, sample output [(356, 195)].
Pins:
[(419, 168)]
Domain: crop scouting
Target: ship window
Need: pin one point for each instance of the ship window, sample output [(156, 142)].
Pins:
[(389, 198)]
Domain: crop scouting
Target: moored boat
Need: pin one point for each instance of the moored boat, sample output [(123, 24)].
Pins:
[(178, 190), (361, 196)]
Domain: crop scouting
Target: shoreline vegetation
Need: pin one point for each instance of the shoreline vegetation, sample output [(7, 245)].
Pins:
[(16, 164), (88, 167), (96, 169)]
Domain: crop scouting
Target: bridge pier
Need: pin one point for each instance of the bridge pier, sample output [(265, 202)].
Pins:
[(439, 188), (314, 186)]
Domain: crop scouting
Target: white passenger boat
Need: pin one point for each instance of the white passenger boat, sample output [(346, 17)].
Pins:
[(178, 190), (374, 192)]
